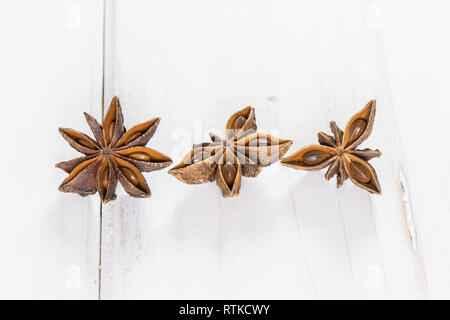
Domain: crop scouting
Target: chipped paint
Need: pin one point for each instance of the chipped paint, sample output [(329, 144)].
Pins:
[(406, 203)]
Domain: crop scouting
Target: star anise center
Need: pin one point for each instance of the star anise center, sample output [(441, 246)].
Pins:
[(227, 143), (106, 152), (340, 151)]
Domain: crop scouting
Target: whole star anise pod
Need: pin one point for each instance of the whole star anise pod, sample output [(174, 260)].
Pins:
[(340, 153), (115, 154), (242, 153)]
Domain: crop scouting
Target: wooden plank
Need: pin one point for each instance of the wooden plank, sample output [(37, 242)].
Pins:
[(414, 52), (50, 64), (289, 234)]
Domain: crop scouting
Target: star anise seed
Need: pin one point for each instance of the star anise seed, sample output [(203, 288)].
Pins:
[(242, 153), (115, 154), (340, 153)]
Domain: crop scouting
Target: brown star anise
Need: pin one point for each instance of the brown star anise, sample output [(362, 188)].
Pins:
[(115, 154), (340, 152), (242, 153)]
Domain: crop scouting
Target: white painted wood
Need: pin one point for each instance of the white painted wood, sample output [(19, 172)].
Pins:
[(415, 54), (50, 62), (290, 234)]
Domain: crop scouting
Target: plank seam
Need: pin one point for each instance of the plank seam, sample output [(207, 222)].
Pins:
[(103, 115)]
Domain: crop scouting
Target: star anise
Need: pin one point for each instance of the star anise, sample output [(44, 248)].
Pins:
[(242, 153), (340, 153), (115, 154)]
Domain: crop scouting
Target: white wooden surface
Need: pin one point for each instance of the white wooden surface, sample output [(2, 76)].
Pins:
[(50, 70), (290, 234)]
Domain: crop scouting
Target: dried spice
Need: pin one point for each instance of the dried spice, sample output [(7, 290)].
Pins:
[(243, 152), (115, 154), (340, 153)]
